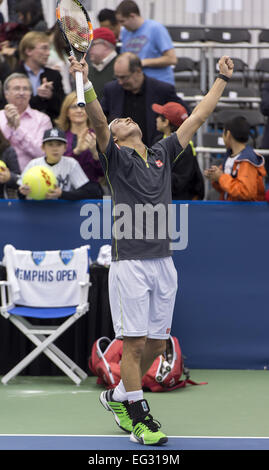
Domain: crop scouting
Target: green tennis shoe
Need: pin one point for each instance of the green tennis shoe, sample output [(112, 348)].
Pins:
[(146, 430), (119, 409)]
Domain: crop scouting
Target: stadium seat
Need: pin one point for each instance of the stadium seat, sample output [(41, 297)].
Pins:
[(45, 285), (262, 71), (264, 35), (227, 35), (185, 72), (182, 34)]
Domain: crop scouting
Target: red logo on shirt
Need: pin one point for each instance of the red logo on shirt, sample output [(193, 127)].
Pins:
[(159, 163)]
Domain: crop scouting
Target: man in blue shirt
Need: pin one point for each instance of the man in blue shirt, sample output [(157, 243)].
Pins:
[(149, 40)]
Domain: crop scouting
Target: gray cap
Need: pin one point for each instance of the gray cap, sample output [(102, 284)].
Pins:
[(54, 134)]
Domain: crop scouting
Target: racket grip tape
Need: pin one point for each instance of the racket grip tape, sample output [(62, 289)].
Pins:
[(80, 89)]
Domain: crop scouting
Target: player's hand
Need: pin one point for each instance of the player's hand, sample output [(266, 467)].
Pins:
[(226, 66), (81, 66), (25, 190), (4, 175), (54, 193)]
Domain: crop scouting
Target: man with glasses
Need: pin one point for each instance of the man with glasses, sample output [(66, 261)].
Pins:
[(21, 125), (48, 92), (133, 93)]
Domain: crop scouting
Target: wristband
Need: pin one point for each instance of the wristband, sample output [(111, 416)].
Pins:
[(223, 77), (87, 85), (90, 95)]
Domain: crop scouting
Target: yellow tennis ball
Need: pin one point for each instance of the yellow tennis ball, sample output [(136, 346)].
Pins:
[(2, 165), (40, 179)]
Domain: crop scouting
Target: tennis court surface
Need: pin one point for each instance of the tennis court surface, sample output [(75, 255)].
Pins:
[(50, 413)]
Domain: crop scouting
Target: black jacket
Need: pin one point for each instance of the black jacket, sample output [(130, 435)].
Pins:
[(156, 92), (50, 107), (187, 178)]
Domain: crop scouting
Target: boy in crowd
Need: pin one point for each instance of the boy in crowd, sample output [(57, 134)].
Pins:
[(73, 184), (241, 177)]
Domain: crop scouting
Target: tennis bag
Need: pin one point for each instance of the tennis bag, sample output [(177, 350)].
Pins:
[(164, 375)]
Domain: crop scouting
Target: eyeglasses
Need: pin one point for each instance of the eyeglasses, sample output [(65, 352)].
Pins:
[(43, 48), (18, 89), (123, 78)]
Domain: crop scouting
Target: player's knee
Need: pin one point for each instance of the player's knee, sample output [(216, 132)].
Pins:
[(134, 347), (157, 346)]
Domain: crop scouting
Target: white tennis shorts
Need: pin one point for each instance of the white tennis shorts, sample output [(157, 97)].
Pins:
[(142, 297)]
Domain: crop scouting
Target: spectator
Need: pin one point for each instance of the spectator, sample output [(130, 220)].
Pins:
[(2, 19), (21, 125), (4, 73), (9, 175), (107, 19), (265, 111), (133, 94), (73, 184), (149, 40), (58, 58), (242, 173), (48, 93), (10, 36), (102, 56), (30, 13), (81, 141), (187, 179)]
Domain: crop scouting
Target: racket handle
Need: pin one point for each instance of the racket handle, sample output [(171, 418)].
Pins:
[(80, 89)]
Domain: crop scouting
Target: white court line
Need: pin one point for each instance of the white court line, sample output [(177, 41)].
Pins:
[(128, 437)]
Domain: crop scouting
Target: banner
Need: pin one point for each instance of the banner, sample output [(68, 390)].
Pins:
[(221, 312)]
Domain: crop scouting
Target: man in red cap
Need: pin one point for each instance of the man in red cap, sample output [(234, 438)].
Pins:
[(102, 56), (187, 178)]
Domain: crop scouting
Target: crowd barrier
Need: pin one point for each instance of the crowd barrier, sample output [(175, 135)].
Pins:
[(221, 312)]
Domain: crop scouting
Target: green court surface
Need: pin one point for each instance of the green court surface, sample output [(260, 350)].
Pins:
[(234, 404)]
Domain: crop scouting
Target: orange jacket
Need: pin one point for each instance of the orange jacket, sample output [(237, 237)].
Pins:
[(246, 181)]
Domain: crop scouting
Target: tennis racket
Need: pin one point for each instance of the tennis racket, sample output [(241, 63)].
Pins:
[(76, 28)]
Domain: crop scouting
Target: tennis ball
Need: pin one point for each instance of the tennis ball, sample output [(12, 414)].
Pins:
[(40, 179), (2, 165)]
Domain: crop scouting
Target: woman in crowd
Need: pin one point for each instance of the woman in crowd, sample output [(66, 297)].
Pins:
[(81, 139)]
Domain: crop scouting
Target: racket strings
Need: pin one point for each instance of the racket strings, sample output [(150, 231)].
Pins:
[(76, 27)]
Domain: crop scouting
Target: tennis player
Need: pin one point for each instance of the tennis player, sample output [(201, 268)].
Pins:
[(142, 277)]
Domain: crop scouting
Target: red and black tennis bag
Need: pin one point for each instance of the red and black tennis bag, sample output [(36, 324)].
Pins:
[(104, 361), (164, 375)]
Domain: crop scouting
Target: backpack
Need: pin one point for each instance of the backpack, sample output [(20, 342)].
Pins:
[(104, 361), (165, 374)]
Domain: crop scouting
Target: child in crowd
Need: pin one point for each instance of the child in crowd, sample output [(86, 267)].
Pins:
[(187, 179), (73, 184), (241, 177)]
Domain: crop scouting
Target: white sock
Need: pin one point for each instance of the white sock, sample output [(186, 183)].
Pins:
[(135, 396), (119, 393)]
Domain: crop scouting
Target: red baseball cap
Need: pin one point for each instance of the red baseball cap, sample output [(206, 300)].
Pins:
[(174, 112), (106, 34)]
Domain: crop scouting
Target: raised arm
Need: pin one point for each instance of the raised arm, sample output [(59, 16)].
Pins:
[(203, 110), (93, 107)]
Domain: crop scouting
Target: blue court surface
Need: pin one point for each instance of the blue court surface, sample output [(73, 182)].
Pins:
[(56, 442)]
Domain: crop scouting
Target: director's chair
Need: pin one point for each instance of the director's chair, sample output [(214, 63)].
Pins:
[(45, 285)]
